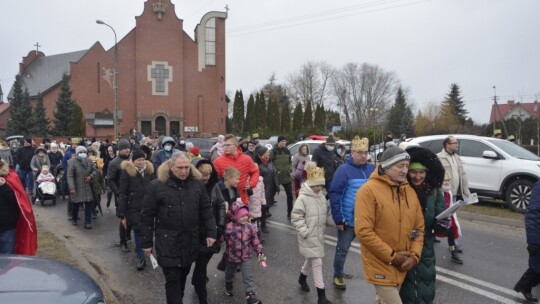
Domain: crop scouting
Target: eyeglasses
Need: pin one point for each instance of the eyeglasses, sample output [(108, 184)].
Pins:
[(452, 143)]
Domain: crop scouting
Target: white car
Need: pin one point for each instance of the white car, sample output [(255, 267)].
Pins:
[(495, 167), (314, 144)]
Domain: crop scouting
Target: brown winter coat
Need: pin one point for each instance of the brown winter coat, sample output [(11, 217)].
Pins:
[(385, 216), (78, 169)]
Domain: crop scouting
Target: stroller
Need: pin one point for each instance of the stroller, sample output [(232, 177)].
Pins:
[(58, 173), (45, 191)]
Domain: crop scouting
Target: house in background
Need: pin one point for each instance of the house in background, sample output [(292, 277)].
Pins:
[(168, 83), (514, 110), (5, 115)]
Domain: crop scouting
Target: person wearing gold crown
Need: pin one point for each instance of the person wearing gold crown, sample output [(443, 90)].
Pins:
[(309, 218), (347, 180)]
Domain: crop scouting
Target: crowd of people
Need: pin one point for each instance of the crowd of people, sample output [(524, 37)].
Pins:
[(187, 207)]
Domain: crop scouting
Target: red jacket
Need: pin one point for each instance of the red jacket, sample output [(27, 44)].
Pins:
[(245, 165)]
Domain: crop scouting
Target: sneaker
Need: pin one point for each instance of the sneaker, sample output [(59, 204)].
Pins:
[(142, 264), (252, 299), (455, 255), (74, 223), (88, 226), (339, 283), (125, 247), (229, 289)]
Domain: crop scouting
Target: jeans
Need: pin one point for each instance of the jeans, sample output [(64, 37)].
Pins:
[(246, 268), (27, 179), (344, 241), (175, 283), (7, 241), (138, 249)]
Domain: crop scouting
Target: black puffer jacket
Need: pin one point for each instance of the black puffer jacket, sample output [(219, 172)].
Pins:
[(132, 191), (218, 206), (174, 208), (328, 160)]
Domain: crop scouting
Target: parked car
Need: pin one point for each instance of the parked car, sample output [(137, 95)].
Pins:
[(495, 167), (314, 144), (28, 279), (204, 145)]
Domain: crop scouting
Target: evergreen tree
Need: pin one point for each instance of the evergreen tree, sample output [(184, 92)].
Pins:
[(454, 100), (308, 118), (64, 108), (400, 117), (39, 121), (286, 119), (77, 125), (260, 112), (238, 113), (332, 118), (273, 118), (17, 123), (319, 122), (251, 122), (298, 118)]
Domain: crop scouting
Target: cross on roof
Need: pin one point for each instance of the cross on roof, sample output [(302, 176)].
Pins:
[(37, 45)]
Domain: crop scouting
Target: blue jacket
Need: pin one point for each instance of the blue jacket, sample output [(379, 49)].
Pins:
[(163, 156), (532, 217), (348, 178), (67, 156)]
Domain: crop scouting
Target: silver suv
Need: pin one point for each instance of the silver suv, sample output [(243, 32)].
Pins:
[(495, 167)]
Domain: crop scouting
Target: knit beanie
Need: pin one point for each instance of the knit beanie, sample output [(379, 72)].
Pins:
[(260, 150), (138, 153), (80, 149), (123, 144), (280, 138), (241, 212), (330, 140), (392, 156)]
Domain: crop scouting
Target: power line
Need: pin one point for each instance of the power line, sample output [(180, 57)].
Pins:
[(255, 28)]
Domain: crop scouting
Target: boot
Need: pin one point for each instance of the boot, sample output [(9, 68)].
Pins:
[(124, 246), (252, 299), (455, 255), (303, 283), (526, 294), (321, 295), (229, 289), (142, 264), (264, 228)]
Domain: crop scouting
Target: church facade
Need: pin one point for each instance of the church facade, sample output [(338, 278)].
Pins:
[(168, 83)]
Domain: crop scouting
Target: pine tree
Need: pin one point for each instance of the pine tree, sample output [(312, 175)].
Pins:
[(454, 100), (273, 118), (332, 118), (39, 121), (77, 125), (400, 118), (319, 122), (308, 118), (238, 113), (260, 112), (251, 122), (16, 125), (298, 118), (286, 119), (64, 107)]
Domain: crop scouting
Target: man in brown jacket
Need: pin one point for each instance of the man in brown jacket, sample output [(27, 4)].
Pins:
[(389, 225)]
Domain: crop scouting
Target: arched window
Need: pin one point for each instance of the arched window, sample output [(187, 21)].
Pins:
[(210, 43)]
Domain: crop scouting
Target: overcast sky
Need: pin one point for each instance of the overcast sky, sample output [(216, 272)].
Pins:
[(429, 44)]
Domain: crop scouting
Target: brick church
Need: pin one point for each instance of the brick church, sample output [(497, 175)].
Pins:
[(168, 83)]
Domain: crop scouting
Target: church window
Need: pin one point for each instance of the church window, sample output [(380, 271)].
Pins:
[(160, 74), (210, 42)]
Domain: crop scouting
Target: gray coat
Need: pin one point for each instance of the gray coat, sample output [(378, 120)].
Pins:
[(309, 217), (78, 169)]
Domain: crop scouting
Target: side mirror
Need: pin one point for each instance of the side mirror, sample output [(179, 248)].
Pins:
[(490, 155)]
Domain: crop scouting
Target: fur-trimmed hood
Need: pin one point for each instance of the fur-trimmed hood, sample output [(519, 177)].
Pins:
[(164, 169), (4, 168), (132, 170)]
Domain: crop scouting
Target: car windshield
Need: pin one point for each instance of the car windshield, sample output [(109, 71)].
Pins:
[(515, 150)]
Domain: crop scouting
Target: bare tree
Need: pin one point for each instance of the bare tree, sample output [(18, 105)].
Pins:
[(364, 93), (311, 83)]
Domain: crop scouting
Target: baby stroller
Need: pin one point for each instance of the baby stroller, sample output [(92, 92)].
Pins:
[(58, 173), (45, 191)]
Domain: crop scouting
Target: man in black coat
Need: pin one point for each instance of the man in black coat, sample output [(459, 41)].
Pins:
[(113, 182), (175, 206), (326, 157)]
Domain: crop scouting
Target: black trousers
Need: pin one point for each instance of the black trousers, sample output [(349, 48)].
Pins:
[(530, 278), (199, 276), (288, 192), (175, 283)]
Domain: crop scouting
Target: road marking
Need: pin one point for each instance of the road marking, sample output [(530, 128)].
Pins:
[(355, 247)]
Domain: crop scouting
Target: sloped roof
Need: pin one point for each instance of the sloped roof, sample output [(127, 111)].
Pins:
[(507, 107), (45, 72), (4, 106)]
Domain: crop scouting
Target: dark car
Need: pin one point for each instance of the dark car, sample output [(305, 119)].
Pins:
[(26, 279), (204, 145)]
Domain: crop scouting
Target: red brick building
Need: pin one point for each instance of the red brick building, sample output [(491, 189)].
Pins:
[(167, 82)]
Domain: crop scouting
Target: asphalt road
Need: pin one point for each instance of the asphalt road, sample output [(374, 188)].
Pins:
[(494, 257)]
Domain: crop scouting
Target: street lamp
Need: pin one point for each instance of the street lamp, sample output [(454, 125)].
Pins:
[(373, 113), (115, 80)]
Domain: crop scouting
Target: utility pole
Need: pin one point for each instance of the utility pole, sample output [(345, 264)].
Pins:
[(498, 111)]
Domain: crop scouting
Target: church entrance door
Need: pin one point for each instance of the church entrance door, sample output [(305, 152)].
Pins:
[(161, 125)]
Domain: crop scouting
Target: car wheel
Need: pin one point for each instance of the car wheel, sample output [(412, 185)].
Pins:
[(518, 195)]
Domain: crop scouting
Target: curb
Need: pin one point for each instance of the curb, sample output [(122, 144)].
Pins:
[(491, 219)]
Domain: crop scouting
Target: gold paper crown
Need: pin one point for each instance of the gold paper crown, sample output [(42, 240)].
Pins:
[(315, 175), (358, 144), (45, 167)]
